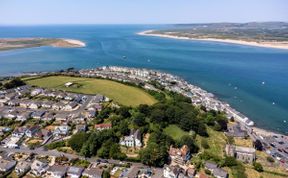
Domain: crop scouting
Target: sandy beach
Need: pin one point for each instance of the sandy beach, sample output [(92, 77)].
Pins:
[(278, 45), (75, 42)]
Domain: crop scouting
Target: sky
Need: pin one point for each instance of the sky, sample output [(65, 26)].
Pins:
[(26, 12)]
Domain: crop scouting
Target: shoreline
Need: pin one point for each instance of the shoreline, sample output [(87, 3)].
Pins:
[(275, 45), (252, 129), (7, 44)]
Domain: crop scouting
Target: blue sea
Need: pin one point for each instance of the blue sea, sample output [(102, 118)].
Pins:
[(253, 80)]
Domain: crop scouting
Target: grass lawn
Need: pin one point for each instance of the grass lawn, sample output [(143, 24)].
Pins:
[(120, 93), (175, 132), (216, 141)]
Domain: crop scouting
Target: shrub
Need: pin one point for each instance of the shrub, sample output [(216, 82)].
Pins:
[(258, 167)]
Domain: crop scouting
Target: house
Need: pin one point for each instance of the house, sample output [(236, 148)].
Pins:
[(19, 132), (236, 131), (210, 166), (36, 92), (215, 170), (100, 127), (34, 105), (74, 172), (30, 132), (145, 172), (133, 140), (99, 98), (10, 114), (47, 104), (38, 168), (12, 142), (61, 117), (62, 130), (70, 106), (93, 173), (179, 156), (6, 166), (244, 154), (24, 103), (23, 116), (57, 106), (190, 172), (57, 171), (68, 84), (37, 114), (171, 171), (13, 102), (220, 173), (47, 116), (22, 168), (81, 128)]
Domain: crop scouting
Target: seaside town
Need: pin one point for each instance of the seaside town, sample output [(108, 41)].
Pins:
[(32, 118)]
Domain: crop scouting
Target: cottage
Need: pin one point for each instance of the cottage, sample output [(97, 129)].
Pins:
[(81, 128), (215, 170), (210, 166), (37, 114), (70, 106), (57, 106), (61, 130), (61, 117), (47, 104), (24, 103), (10, 114), (38, 168), (19, 132), (36, 92), (100, 127), (34, 105), (22, 168), (48, 116), (93, 173), (23, 116), (14, 102), (220, 173), (236, 131), (30, 132), (244, 154), (133, 140), (74, 172), (12, 142), (6, 166), (57, 171)]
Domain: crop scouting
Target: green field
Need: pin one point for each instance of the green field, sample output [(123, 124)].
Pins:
[(120, 93), (175, 132)]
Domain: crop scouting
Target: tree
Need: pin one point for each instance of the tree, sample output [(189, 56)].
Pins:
[(190, 142), (144, 109), (14, 83), (258, 167), (124, 112), (157, 115), (270, 159), (205, 144), (77, 140), (258, 145), (154, 155), (229, 161), (106, 174), (139, 119)]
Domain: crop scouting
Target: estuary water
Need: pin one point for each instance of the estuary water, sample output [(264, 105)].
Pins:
[(253, 80)]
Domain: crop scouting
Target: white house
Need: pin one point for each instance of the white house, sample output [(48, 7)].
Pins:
[(133, 140)]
